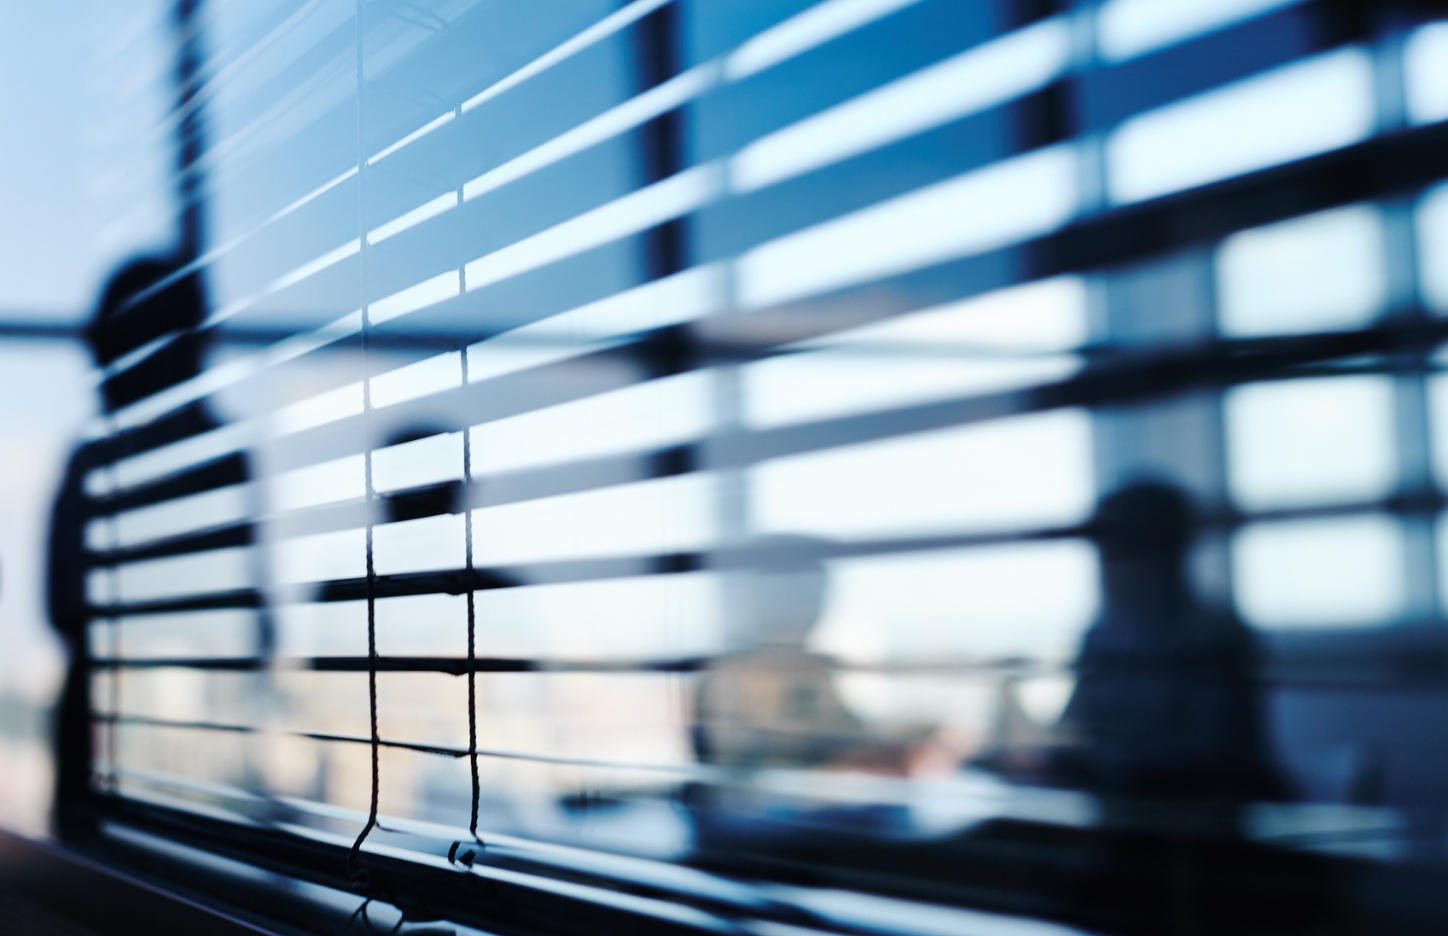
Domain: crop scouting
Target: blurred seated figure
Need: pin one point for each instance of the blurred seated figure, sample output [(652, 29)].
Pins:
[(773, 703), (1165, 726), (1166, 702)]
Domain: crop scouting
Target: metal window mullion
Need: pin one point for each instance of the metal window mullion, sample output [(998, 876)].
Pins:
[(1411, 417), (1412, 422)]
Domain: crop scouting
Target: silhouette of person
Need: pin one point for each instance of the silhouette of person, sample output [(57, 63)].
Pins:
[(1167, 727), (121, 325), (773, 703), (1167, 702)]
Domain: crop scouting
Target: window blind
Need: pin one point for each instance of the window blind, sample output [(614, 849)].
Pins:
[(643, 459)]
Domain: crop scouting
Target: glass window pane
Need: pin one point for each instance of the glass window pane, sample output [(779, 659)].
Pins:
[(1006, 339), (966, 604), (1433, 248), (1425, 67), (1315, 273), (1012, 474), (1310, 441), (1294, 111), (1438, 427), (1319, 573)]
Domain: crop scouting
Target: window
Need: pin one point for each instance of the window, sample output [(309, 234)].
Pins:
[(690, 464)]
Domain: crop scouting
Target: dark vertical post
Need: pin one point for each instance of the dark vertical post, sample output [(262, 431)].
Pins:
[(190, 138), (659, 57), (1179, 440)]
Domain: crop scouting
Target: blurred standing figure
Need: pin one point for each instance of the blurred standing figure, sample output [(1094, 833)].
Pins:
[(1167, 702), (146, 299), (1167, 726), (134, 310)]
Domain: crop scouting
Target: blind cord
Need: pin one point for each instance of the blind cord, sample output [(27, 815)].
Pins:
[(468, 856), (371, 631), (369, 498)]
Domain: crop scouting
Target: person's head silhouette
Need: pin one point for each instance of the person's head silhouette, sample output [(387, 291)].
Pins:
[(1166, 700), (1146, 520), (1143, 532), (144, 300)]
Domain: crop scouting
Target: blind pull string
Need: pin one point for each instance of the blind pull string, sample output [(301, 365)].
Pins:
[(113, 589), (371, 586), (452, 855), (369, 493), (113, 684)]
